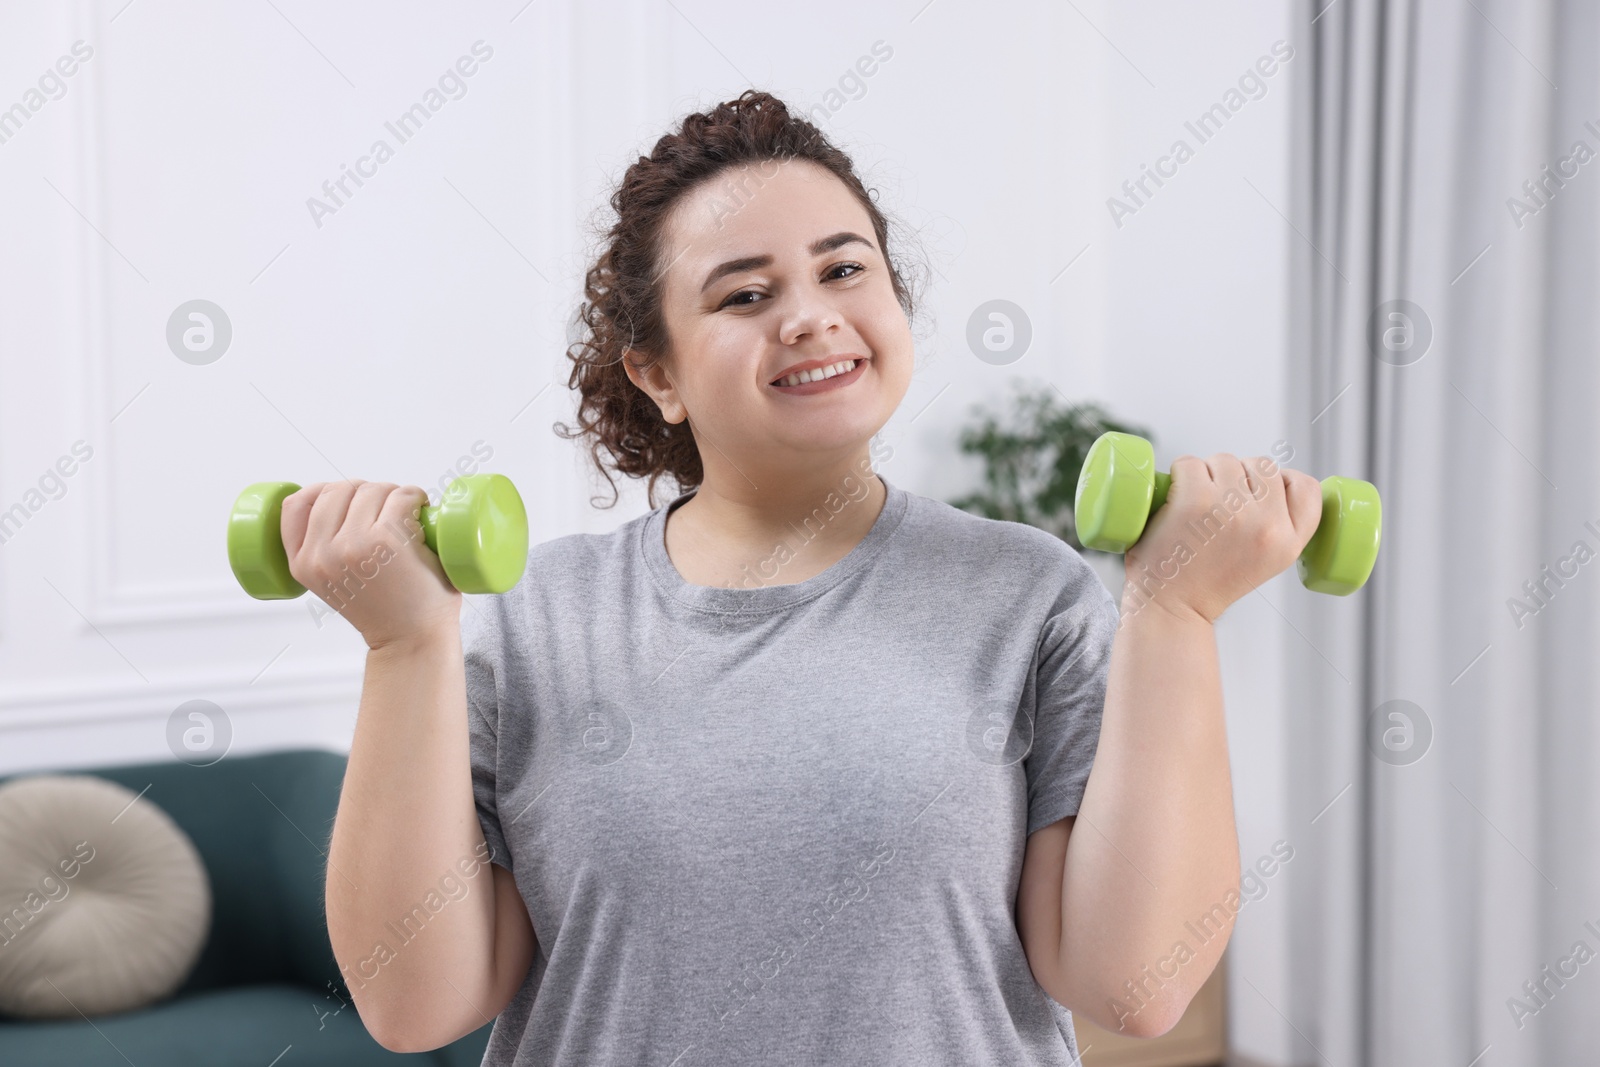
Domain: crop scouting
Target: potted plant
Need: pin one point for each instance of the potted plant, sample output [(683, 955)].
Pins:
[(1031, 460)]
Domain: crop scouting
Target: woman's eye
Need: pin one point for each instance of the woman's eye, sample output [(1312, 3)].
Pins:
[(734, 301)]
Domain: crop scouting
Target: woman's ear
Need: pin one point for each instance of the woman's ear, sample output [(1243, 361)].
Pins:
[(656, 384)]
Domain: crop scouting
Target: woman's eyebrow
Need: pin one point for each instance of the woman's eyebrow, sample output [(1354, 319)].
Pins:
[(822, 246)]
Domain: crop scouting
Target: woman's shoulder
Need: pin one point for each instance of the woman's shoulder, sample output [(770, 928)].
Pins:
[(1021, 563), (579, 559), (569, 565), (1007, 543)]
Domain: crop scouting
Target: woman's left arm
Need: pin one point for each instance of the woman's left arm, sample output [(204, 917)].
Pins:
[(1146, 875), (1152, 861)]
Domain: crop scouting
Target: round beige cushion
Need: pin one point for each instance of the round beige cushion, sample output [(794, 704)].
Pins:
[(104, 903)]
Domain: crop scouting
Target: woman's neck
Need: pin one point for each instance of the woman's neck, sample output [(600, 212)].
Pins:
[(753, 537)]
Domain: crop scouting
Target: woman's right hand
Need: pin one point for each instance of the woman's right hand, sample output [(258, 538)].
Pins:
[(359, 547)]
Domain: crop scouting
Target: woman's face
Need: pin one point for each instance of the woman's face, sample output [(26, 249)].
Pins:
[(768, 266)]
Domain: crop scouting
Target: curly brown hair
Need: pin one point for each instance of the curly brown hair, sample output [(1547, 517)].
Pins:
[(622, 305)]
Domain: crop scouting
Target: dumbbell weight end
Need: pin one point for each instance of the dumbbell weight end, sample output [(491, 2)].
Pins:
[(1340, 555)]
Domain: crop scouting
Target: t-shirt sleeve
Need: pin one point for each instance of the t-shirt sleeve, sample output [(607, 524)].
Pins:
[(481, 650), (1070, 693)]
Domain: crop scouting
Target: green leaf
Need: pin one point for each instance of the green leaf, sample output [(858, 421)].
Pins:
[(1032, 457)]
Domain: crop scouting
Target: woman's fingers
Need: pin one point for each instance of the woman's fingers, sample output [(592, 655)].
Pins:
[(1304, 494), (1188, 469), (364, 508), (400, 512), (327, 512), (296, 515)]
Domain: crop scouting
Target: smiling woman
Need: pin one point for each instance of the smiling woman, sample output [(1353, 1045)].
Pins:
[(787, 769), (764, 761), (682, 265)]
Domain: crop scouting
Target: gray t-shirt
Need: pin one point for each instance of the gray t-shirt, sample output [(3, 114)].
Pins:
[(785, 824)]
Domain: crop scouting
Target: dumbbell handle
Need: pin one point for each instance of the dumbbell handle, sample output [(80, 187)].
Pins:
[(1163, 482)]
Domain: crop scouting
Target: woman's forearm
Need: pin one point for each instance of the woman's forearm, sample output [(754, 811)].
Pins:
[(1152, 865)]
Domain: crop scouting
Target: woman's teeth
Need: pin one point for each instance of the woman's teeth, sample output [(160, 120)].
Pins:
[(817, 375)]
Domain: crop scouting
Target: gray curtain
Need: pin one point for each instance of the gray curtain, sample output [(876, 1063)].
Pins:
[(1443, 745)]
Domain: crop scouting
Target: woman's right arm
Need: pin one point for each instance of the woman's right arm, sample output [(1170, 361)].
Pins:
[(407, 820)]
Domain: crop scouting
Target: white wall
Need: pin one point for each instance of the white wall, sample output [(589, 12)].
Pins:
[(426, 313)]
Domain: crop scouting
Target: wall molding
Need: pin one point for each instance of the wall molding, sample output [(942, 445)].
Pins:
[(54, 704), (107, 603)]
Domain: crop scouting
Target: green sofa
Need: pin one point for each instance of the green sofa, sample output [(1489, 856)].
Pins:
[(261, 988)]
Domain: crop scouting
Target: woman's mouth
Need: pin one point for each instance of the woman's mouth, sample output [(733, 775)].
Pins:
[(835, 376)]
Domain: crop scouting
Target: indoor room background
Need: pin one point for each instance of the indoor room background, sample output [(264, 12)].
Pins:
[(1352, 169)]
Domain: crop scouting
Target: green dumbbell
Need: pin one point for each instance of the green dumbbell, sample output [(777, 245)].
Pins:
[(479, 531), (1119, 487)]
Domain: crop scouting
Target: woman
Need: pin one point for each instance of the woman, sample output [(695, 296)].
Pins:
[(788, 769)]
